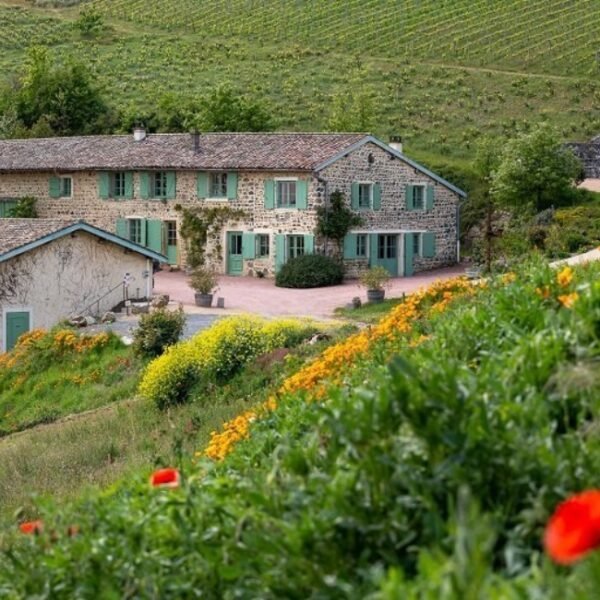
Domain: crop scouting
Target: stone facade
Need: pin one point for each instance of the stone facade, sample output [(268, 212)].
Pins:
[(66, 276), (368, 163)]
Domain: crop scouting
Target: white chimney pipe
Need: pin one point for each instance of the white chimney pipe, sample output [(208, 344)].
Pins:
[(395, 143), (139, 134)]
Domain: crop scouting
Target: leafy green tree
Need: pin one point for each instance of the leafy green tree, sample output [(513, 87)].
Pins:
[(335, 220), (90, 22), (536, 171), (52, 99)]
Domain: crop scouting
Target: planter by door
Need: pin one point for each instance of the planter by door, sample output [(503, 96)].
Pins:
[(204, 300), (375, 296)]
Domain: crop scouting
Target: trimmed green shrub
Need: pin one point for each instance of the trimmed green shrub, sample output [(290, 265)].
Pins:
[(157, 330), (309, 271)]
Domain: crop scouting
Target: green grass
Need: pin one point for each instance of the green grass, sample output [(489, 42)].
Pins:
[(439, 74), (47, 383), (368, 312)]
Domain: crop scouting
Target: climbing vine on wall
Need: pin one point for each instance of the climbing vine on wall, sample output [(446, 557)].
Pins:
[(335, 220), (198, 223)]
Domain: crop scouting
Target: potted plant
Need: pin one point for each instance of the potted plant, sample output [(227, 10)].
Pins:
[(204, 282), (375, 280)]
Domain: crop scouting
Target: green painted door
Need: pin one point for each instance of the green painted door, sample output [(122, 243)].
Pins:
[(17, 323), (385, 252), (234, 253)]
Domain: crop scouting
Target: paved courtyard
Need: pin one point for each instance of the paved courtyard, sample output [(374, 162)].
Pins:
[(260, 296)]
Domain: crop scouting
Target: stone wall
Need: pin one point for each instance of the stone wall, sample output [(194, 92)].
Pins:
[(64, 277)]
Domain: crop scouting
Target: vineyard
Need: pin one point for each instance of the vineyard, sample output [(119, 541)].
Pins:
[(438, 72)]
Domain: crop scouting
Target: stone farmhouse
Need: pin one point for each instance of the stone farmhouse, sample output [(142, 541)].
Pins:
[(52, 269), (133, 186)]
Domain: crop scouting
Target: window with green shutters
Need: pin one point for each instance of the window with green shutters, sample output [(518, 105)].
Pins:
[(158, 184), (262, 245), (286, 193), (295, 246), (5, 208), (135, 230), (60, 187), (218, 185), (365, 196), (419, 196), (361, 245)]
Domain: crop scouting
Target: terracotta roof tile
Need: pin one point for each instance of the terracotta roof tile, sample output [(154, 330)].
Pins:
[(251, 151), (15, 233)]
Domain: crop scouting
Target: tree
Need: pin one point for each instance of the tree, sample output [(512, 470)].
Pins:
[(90, 22), (335, 220), (536, 171), (224, 110), (54, 99)]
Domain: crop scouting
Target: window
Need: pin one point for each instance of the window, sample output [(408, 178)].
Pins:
[(262, 245), (171, 233), (417, 244), (295, 246), (135, 230), (419, 197), (117, 185), (365, 194), (65, 187), (361, 245), (286, 194), (387, 246), (158, 181), (218, 185)]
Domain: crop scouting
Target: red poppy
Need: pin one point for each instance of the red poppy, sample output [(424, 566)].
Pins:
[(169, 478), (31, 527), (574, 528)]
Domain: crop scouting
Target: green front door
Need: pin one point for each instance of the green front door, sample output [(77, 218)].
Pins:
[(235, 261), (17, 323), (384, 252)]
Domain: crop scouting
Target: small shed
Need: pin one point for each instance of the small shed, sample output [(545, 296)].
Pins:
[(52, 269)]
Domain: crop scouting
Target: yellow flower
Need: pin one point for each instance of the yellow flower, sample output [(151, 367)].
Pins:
[(508, 278), (567, 300), (565, 277)]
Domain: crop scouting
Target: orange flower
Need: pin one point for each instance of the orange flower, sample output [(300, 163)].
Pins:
[(565, 277), (32, 527), (567, 300), (574, 528), (543, 292), (165, 478)]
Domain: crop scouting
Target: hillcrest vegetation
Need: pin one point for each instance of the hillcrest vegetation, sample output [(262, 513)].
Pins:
[(420, 457)]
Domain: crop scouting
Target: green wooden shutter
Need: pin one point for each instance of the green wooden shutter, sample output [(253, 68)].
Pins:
[(104, 185), (144, 185), (280, 257), (122, 229), (428, 245), (430, 197), (301, 194), (350, 245), (54, 187), (143, 232), (154, 235), (309, 244), (202, 184), (410, 196), (408, 255), (232, 183), (376, 196), (269, 194), (354, 196), (248, 246), (171, 185), (128, 185), (372, 249)]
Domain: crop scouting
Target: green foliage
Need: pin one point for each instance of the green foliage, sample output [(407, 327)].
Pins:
[(335, 220), (203, 280), (25, 208), (51, 99), (375, 278), (51, 375), (536, 171), (90, 22), (158, 330), (215, 355), (352, 108), (575, 229), (310, 271), (427, 472)]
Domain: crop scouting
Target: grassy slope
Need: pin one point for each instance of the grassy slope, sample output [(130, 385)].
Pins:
[(439, 75)]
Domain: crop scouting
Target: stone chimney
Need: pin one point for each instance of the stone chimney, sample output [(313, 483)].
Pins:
[(396, 142), (139, 134)]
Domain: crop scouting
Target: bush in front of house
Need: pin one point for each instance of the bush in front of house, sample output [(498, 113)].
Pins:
[(216, 354), (310, 271), (157, 331)]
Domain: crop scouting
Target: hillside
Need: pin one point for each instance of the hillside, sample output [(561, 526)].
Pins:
[(438, 73)]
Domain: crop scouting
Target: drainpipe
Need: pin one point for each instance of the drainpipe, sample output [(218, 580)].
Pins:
[(324, 182)]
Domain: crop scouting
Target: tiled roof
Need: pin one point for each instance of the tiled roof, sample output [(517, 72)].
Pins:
[(251, 151), (21, 235), (15, 233)]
